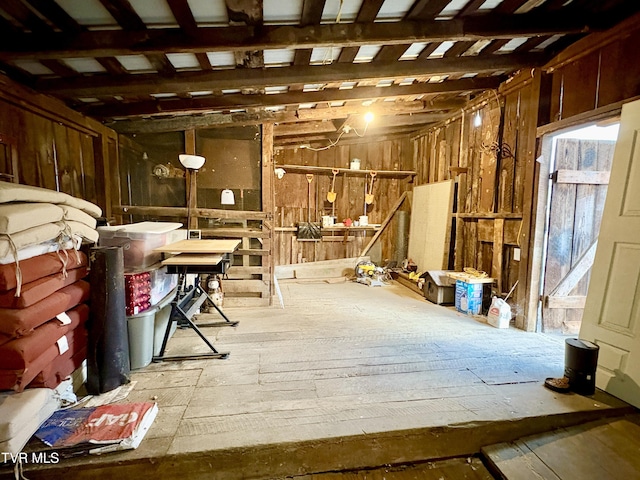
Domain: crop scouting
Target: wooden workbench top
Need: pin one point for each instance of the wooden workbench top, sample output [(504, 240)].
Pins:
[(201, 246)]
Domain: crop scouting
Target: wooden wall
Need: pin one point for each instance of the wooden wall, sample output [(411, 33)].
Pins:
[(493, 165), (600, 70), (53, 146), (292, 199)]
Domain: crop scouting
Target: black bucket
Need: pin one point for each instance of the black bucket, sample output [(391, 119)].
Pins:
[(580, 363)]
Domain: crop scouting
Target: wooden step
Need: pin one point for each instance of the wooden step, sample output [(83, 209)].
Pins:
[(602, 449)]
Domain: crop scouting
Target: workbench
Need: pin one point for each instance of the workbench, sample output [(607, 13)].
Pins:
[(195, 257)]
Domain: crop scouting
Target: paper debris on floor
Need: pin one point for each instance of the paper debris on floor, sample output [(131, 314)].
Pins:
[(115, 395)]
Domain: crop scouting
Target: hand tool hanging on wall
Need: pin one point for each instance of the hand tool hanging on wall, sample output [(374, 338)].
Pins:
[(368, 195), (309, 230), (331, 195)]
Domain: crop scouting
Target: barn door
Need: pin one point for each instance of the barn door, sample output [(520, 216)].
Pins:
[(612, 313), (579, 187)]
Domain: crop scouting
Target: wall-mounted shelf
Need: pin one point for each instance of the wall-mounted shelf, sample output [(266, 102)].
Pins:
[(347, 171), (372, 228)]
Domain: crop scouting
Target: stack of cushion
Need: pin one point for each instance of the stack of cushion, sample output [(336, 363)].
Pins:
[(43, 337), (31, 216)]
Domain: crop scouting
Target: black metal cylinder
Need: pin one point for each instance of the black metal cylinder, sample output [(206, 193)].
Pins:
[(108, 343), (580, 363)]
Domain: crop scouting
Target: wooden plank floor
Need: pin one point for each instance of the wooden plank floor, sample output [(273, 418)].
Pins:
[(602, 450), (345, 377)]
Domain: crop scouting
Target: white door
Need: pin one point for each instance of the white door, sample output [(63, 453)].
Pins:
[(612, 311)]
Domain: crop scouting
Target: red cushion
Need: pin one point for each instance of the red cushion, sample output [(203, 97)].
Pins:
[(17, 322), (37, 290), (40, 266), (18, 379), (19, 352), (59, 369)]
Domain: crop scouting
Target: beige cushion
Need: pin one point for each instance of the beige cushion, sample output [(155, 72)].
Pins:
[(21, 414), (30, 236), (15, 217), (77, 215), (78, 228), (14, 192)]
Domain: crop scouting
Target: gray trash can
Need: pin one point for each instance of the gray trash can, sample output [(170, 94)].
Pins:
[(142, 331)]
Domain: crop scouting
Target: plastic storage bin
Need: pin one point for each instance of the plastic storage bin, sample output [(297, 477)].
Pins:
[(138, 241), (142, 330), (147, 288)]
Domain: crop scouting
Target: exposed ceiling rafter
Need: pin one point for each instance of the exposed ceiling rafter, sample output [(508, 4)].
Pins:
[(241, 38), (144, 84)]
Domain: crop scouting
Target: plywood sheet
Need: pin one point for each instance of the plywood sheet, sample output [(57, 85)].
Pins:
[(430, 225)]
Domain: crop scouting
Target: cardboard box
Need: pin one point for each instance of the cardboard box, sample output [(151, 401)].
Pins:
[(469, 297)]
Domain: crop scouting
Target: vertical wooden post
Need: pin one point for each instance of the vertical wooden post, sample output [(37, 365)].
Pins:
[(108, 186), (528, 322), (498, 249), (192, 187), (462, 177), (268, 201)]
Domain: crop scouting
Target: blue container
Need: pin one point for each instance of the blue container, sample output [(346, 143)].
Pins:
[(469, 297)]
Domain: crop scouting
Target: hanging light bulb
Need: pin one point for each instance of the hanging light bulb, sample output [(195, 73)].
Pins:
[(368, 117), (477, 119)]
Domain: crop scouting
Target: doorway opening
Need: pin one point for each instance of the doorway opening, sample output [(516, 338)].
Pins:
[(579, 166)]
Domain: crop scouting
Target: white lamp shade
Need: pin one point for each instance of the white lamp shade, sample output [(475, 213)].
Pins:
[(227, 197), (193, 162)]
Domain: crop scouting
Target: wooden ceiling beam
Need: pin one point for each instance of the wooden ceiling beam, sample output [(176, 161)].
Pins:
[(249, 13), (312, 12), (107, 43), (304, 128), (380, 109), (494, 46), (203, 61), (50, 10), (186, 122), (390, 53), (470, 8), (227, 102), (311, 15), (112, 65), (124, 14), (459, 48), (426, 9), (23, 15), (59, 68), (368, 11), (161, 64), (509, 6), (146, 84), (428, 50), (183, 15)]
